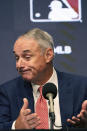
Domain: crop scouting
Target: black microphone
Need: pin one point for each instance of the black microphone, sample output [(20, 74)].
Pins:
[(49, 92)]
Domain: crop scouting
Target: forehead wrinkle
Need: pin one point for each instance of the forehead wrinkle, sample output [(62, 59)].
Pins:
[(24, 51), (24, 45)]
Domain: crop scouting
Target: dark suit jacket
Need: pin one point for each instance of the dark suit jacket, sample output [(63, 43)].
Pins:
[(72, 92)]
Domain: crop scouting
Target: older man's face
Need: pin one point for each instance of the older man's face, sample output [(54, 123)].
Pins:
[(30, 62)]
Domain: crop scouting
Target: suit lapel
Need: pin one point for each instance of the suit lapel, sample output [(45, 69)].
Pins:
[(65, 97), (24, 91)]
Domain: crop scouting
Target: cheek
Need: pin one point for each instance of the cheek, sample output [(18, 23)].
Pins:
[(37, 64), (41, 65)]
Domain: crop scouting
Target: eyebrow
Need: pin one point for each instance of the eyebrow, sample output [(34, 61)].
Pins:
[(26, 51)]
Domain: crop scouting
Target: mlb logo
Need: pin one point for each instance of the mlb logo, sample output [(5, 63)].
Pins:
[(55, 10)]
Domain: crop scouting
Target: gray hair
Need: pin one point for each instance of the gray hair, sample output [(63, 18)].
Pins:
[(43, 38)]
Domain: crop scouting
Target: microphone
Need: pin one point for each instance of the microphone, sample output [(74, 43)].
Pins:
[(49, 92)]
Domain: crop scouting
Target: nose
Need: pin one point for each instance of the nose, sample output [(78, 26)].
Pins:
[(20, 63)]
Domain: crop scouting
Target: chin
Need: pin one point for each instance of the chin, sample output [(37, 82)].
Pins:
[(28, 78)]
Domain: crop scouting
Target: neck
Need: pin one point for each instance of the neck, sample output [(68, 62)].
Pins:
[(44, 76)]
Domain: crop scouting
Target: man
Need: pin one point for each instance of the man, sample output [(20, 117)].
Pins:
[(34, 53)]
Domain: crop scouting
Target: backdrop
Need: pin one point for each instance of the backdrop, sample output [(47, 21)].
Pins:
[(65, 20)]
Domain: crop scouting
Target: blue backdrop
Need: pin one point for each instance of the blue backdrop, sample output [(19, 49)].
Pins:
[(70, 37)]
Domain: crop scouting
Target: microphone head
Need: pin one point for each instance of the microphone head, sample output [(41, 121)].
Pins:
[(49, 88)]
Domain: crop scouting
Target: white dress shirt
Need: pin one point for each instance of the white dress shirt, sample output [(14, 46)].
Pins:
[(36, 94), (53, 79)]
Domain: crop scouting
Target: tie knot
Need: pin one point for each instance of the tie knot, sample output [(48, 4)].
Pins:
[(40, 90)]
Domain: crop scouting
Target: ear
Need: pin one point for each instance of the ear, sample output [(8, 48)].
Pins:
[(49, 55)]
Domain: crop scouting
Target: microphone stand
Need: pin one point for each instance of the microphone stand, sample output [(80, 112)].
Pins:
[(52, 119), (51, 112)]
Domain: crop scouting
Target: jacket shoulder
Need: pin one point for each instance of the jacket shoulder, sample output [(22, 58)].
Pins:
[(12, 83), (69, 76)]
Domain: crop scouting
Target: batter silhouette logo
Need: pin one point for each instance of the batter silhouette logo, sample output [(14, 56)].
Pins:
[(55, 10)]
